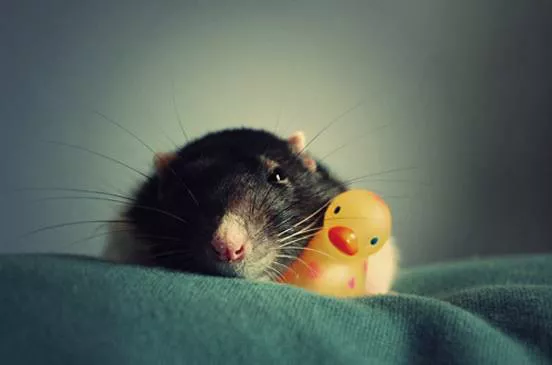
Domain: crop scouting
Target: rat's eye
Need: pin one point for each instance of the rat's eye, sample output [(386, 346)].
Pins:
[(277, 176)]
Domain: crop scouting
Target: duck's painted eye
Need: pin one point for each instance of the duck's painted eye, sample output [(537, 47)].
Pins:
[(277, 176), (374, 241), (337, 209)]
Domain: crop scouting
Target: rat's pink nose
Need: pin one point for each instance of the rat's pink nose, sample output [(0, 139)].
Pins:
[(228, 250), (235, 254)]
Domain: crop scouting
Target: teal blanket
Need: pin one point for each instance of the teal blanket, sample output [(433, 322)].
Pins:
[(68, 310)]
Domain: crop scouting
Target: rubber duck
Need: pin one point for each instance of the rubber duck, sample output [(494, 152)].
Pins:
[(357, 224)]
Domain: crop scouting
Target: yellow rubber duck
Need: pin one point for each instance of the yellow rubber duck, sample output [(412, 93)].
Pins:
[(357, 224)]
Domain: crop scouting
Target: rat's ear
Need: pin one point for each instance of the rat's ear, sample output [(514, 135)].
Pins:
[(297, 144), (162, 159), (297, 141)]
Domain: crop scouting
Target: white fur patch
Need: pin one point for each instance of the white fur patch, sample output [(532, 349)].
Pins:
[(382, 269)]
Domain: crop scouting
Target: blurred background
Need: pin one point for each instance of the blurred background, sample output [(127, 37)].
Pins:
[(455, 116)]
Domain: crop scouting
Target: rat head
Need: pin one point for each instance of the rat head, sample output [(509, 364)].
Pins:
[(238, 202), (357, 223)]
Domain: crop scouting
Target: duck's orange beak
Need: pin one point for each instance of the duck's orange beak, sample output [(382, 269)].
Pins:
[(344, 239)]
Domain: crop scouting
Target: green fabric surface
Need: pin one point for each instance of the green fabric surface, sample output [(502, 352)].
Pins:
[(69, 310)]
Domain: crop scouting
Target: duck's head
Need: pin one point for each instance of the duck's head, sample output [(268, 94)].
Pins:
[(357, 223)]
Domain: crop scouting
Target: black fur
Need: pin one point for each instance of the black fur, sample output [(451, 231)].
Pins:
[(220, 169)]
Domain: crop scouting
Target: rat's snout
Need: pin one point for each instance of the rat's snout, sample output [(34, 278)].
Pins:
[(228, 249), (231, 241)]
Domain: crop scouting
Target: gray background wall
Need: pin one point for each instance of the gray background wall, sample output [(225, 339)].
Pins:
[(463, 88)]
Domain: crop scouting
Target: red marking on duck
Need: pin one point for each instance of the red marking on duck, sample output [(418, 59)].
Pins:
[(314, 270)]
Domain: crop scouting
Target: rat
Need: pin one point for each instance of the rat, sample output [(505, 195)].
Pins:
[(238, 203)]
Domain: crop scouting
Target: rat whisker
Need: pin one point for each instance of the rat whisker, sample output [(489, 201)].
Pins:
[(149, 242), (423, 183), (306, 219), (137, 236), (268, 274), (304, 232), (285, 267), (310, 249), (316, 212), (263, 202), (277, 226), (358, 138), (77, 190), (170, 139), (279, 116), (261, 205), (97, 235), (253, 205), (158, 238), (290, 230), (306, 229), (143, 143), (332, 122), (256, 235), (74, 223), (271, 270), (307, 236), (176, 111), (298, 259), (185, 186), (303, 235), (120, 126), (286, 244), (106, 157), (385, 172), (144, 207), (388, 197), (285, 94), (99, 227), (345, 218), (180, 253), (282, 224), (94, 234)]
